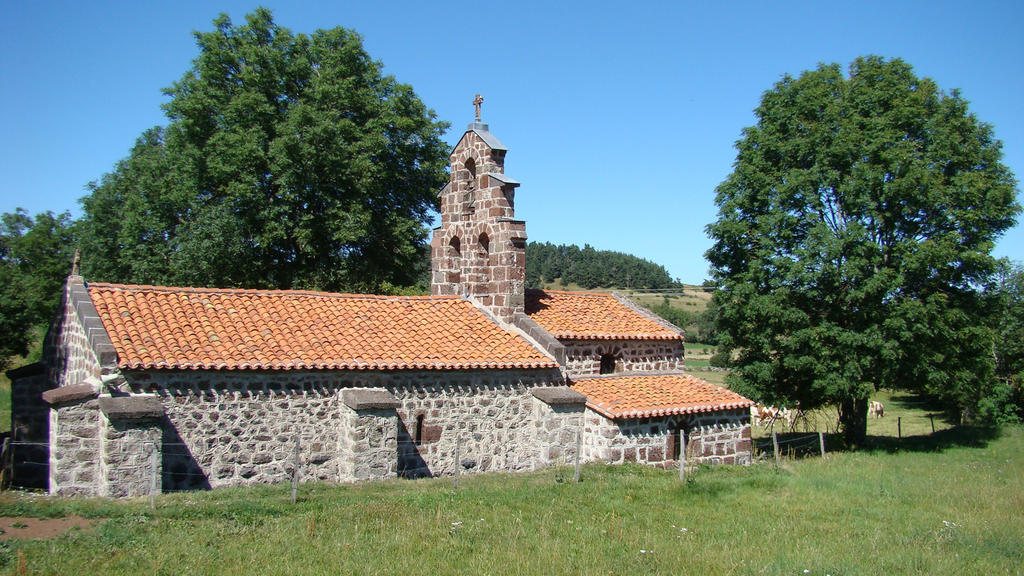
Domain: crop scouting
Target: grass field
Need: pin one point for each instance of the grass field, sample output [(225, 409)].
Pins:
[(949, 503), (5, 403), (691, 299)]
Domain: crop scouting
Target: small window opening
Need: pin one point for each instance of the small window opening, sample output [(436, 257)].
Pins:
[(607, 364), (471, 168), (456, 246), (485, 243), (419, 429), (678, 438)]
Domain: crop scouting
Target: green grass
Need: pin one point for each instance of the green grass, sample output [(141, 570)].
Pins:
[(698, 360), (5, 403), (692, 300), (716, 378), (949, 504), (557, 285), (699, 350)]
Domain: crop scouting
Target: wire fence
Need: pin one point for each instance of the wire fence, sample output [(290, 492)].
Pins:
[(175, 466), (24, 463), (790, 446)]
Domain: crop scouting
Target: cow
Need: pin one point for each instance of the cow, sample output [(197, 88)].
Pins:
[(766, 415), (876, 409)]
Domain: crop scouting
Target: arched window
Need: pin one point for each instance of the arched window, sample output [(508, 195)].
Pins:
[(485, 244), (418, 438), (471, 168), (607, 364), (455, 246)]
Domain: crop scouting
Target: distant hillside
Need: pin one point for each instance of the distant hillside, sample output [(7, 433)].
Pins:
[(589, 268), (571, 267)]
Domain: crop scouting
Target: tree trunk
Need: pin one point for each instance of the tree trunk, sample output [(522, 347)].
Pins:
[(853, 418)]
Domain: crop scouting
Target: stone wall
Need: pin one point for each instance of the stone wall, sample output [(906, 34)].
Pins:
[(30, 427), (77, 346), (235, 427), (557, 427), (368, 447), (126, 466), (75, 448), (583, 357), (715, 438), (487, 415)]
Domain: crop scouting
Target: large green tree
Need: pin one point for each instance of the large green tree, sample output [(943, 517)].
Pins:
[(289, 161), (1006, 403), (1009, 289), (35, 257), (852, 239)]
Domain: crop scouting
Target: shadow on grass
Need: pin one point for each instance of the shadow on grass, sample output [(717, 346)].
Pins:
[(918, 402), (955, 437), (806, 445)]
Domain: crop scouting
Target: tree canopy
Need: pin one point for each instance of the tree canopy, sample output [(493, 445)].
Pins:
[(591, 268), (853, 237), (289, 161), (35, 256), (1006, 403), (1009, 289)]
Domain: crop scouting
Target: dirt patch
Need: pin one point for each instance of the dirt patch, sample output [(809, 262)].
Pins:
[(34, 528)]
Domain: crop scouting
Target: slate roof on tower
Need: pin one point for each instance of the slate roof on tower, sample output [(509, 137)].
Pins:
[(209, 328), (484, 132), (593, 316)]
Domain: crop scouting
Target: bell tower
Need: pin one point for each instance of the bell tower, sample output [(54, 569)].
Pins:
[(479, 250)]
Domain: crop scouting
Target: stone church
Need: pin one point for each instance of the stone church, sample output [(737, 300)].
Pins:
[(153, 388)]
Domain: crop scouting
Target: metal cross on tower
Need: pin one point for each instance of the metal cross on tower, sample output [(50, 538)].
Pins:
[(476, 103)]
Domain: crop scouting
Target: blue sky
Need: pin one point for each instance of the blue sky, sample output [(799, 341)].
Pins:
[(620, 117)]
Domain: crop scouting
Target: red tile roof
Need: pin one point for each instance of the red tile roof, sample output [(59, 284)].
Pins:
[(639, 396), (208, 328), (592, 316)]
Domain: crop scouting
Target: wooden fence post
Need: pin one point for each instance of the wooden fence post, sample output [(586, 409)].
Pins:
[(295, 470), (899, 427), (932, 418), (8, 463), (682, 455), (153, 480), (821, 443), (775, 446), (458, 446), (579, 444)]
